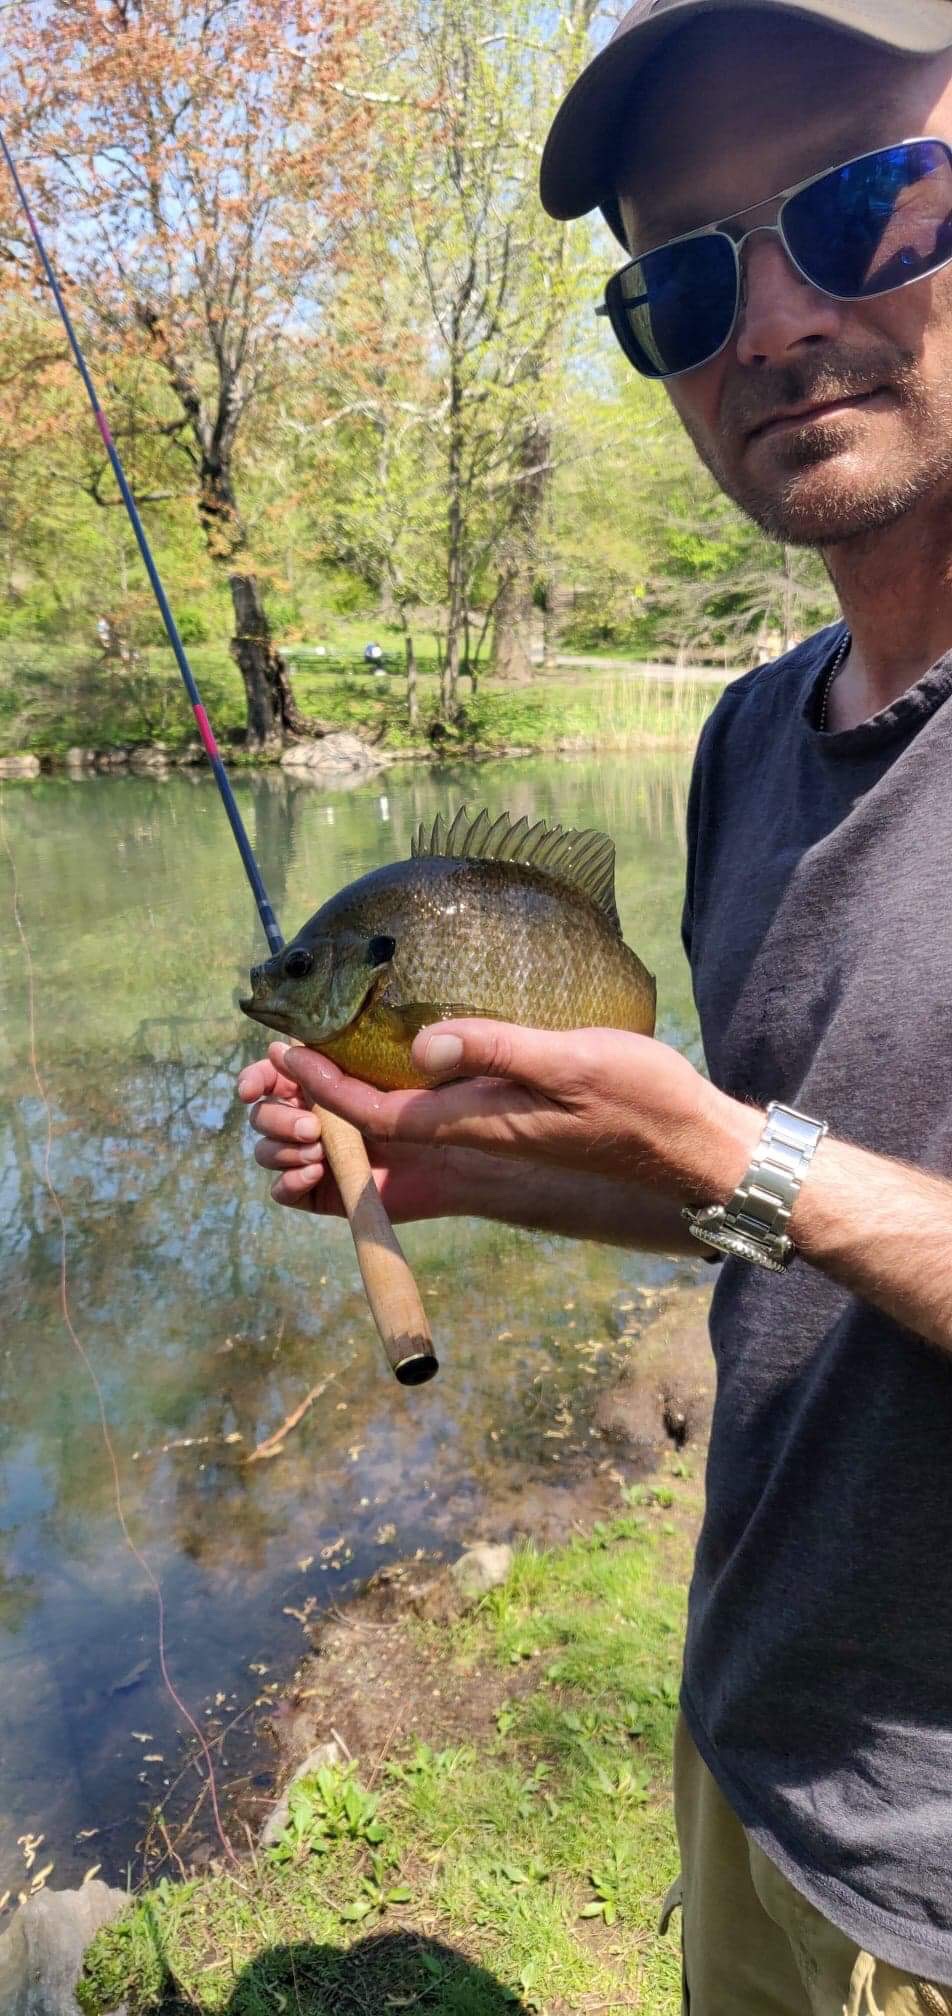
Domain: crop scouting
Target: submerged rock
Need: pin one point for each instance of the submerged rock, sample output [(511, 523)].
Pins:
[(41, 1955)]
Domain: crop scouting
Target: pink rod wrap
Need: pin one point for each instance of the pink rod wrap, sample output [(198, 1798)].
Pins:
[(205, 731)]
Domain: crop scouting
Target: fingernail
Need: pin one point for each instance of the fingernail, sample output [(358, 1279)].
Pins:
[(280, 1050), (242, 1082), (314, 1153), (307, 1128), (443, 1052)]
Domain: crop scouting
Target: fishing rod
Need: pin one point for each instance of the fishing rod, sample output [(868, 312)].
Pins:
[(391, 1290)]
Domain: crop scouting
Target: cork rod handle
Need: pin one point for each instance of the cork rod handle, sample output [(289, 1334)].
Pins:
[(392, 1293)]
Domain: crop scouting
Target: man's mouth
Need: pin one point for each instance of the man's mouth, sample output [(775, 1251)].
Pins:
[(790, 419)]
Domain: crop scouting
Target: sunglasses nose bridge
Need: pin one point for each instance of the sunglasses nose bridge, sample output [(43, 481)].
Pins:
[(774, 230)]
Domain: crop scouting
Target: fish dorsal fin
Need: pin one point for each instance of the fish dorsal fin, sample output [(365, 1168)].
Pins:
[(579, 860)]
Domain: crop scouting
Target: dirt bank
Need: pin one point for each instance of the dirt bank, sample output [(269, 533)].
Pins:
[(373, 1676)]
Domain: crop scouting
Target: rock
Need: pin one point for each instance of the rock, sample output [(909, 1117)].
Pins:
[(80, 759), (41, 1955), (150, 759), (666, 1393), (631, 1415), (481, 1569), (326, 1753), (193, 752), (111, 759), (19, 766), (332, 755)]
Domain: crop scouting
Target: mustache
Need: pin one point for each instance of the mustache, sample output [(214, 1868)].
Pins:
[(748, 404)]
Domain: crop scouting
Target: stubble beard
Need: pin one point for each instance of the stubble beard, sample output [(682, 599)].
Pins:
[(798, 507)]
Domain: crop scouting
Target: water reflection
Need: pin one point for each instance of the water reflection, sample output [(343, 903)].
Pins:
[(207, 1313)]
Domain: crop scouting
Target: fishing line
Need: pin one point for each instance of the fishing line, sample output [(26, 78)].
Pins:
[(72, 1332)]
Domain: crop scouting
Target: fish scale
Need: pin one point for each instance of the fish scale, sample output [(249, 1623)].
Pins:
[(470, 935)]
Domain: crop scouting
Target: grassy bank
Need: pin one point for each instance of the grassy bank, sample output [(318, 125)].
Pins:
[(53, 698), (519, 1868)]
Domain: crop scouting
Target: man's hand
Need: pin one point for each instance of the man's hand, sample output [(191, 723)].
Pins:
[(594, 1100), (413, 1183), (420, 1180)]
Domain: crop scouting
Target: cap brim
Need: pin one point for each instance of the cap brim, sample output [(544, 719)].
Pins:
[(579, 155)]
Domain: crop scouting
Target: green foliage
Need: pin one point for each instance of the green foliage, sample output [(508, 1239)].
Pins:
[(327, 1806), (376, 1893)]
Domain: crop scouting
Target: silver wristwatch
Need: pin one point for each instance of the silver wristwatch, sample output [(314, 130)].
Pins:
[(753, 1226)]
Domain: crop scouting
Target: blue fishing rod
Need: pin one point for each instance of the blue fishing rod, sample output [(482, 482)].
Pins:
[(392, 1293), (245, 849)]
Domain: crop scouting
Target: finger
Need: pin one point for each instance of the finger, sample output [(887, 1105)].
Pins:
[(285, 1122), (261, 1079), (481, 1112), (477, 1047), (271, 1155), (307, 1189)]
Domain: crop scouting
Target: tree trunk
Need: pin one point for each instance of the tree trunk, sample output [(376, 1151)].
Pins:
[(512, 635), (557, 603), (456, 600), (271, 709), (257, 661), (413, 705), (512, 630)]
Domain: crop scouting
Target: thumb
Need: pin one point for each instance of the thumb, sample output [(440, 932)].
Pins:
[(478, 1047)]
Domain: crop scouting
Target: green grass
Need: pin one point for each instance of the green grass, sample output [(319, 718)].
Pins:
[(53, 698), (522, 1872)]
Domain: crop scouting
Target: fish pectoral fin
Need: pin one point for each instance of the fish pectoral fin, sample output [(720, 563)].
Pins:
[(413, 1016)]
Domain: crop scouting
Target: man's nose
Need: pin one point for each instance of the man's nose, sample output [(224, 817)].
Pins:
[(780, 313)]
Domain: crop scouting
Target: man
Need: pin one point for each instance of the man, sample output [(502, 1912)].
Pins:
[(807, 346)]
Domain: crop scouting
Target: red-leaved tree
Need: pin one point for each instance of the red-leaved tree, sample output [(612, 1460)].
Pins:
[(199, 167)]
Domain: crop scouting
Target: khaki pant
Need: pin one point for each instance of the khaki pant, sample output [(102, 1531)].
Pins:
[(752, 1945)]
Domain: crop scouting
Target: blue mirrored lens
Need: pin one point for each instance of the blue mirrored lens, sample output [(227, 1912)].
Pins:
[(875, 224), (678, 304)]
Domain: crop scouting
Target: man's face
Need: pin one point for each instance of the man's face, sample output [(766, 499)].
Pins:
[(748, 108)]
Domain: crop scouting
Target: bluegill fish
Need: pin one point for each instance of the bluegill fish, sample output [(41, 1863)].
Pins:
[(488, 917)]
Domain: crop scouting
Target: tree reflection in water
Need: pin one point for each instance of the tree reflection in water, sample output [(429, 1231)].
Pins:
[(207, 1313)]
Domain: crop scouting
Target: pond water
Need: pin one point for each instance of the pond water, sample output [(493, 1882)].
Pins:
[(206, 1313)]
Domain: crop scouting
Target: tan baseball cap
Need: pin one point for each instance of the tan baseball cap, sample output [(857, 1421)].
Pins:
[(580, 153)]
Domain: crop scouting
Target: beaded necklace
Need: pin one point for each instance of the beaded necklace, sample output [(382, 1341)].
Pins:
[(836, 667)]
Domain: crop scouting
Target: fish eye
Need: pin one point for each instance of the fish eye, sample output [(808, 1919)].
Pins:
[(298, 963), (380, 950)]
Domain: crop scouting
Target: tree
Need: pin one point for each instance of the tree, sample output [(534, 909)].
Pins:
[(491, 282), (372, 474), (673, 569), (186, 161)]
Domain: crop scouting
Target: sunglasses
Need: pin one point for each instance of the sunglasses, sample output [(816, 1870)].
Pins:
[(869, 227)]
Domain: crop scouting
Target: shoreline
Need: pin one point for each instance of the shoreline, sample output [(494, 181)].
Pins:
[(300, 762), (474, 1756)]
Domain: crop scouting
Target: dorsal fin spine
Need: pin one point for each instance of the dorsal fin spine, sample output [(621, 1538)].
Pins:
[(579, 860)]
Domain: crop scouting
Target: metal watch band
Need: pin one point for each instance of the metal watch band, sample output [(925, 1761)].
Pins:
[(753, 1226)]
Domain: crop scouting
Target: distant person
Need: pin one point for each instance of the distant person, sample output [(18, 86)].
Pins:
[(373, 655), (805, 339)]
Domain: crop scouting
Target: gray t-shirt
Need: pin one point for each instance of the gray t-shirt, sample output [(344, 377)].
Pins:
[(818, 1666)]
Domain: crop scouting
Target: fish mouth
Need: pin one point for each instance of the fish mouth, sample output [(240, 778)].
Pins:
[(273, 1018)]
